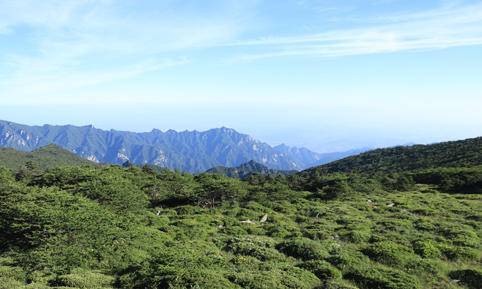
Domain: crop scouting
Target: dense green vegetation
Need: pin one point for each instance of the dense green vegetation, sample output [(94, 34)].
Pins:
[(408, 158), (114, 227), (46, 157), (245, 170)]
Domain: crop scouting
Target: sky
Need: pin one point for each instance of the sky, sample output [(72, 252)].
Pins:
[(329, 75)]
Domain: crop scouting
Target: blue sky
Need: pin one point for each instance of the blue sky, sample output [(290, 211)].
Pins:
[(325, 74)]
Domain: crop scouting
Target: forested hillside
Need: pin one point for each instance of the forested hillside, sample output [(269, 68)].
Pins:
[(113, 227), (246, 170), (45, 157), (408, 158)]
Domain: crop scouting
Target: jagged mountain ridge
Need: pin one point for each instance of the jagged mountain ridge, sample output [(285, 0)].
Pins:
[(191, 151)]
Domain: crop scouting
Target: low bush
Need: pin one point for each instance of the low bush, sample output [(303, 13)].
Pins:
[(322, 269), (261, 248), (453, 180), (426, 249), (456, 253), (84, 279), (356, 235), (346, 259), (380, 277), (14, 273), (388, 253), (303, 248), (285, 278)]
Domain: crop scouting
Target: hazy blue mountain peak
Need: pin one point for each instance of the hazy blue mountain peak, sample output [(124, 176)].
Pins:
[(193, 151)]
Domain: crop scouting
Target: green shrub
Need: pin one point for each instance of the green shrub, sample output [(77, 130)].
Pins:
[(171, 276), (466, 238), (397, 182), (425, 224), (192, 278), (14, 273), (12, 277), (108, 186), (422, 267), (453, 180), (456, 253), (214, 189), (322, 269), (388, 253), (84, 279), (356, 235), (261, 248), (336, 188), (426, 249), (289, 278), (382, 278), (7, 261), (6, 283), (346, 259), (303, 248)]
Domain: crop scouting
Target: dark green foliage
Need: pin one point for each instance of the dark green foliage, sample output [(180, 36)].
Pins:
[(456, 253), (169, 189), (409, 158), (303, 248), (382, 278), (426, 249), (12, 277), (388, 253), (246, 170), (397, 182), (335, 189), (322, 269), (283, 278), (347, 259), (83, 279), (62, 231), (167, 276), (472, 278), (12, 273), (102, 185), (331, 186), (261, 248), (453, 180), (214, 189)]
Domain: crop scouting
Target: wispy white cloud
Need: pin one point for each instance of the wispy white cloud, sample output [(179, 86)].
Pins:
[(80, 43), (41, 79), (448, 26), (76, 44)]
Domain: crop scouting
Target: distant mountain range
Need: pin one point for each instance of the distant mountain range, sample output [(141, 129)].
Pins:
[(245, 170), (190, 151)]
